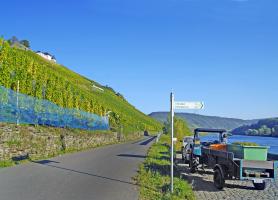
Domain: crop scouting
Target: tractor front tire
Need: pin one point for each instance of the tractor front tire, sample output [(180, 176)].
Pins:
[(192, 164), (260, 186)]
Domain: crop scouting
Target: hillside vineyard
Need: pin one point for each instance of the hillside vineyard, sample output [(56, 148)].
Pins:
[(47, 80)]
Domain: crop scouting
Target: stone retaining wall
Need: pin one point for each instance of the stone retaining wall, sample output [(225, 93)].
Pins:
[(22, 142)]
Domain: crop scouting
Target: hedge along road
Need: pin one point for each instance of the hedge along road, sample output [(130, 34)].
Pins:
[(102, 173)]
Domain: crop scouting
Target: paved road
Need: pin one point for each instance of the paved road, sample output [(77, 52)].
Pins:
[(103, 173)]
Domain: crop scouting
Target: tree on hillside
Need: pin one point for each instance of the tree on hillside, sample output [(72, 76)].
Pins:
[(26, 43), (252, 132), (275, 131), (13, 40), (181, 129), (264, 130)]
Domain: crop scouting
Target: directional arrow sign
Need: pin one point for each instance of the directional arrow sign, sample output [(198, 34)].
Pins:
[(185, 105)]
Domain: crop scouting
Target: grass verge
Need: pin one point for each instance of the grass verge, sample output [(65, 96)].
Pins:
[(7, 163), (154, 179)]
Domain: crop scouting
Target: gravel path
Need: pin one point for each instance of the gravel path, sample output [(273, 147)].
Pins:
[(202, 183)]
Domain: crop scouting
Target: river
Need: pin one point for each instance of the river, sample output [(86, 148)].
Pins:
[(271, 142)]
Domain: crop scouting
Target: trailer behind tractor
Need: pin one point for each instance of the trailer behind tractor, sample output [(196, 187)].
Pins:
[(231, 161)]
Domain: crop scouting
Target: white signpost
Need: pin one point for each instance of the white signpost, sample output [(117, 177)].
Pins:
[(179, 105), (185, 105)]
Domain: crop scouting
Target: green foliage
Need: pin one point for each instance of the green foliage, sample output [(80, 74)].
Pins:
[(47, 80), (25, 43), (154, 179), (266, 127), (13, 143), (181, 129), (8, 163), (246, 143), (13, 40)]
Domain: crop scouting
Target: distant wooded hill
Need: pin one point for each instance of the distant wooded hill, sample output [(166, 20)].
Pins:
[(265, 127), (195, 120)]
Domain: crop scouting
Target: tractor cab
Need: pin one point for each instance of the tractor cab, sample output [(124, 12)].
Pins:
[(216, 140)]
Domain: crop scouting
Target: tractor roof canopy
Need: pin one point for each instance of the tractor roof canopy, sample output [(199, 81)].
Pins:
[(209, 130)]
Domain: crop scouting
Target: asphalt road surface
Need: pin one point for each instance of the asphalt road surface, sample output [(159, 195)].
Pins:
[(104, 173)]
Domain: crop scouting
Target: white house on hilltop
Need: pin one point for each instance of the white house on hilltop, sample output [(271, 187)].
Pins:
[(46, 56)]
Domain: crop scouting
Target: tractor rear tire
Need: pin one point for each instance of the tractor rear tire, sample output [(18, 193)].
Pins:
[(219, 179)]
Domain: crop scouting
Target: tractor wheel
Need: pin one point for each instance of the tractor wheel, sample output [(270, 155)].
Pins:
[(182, 153), (218, 178), (192, 164), (260, 186)]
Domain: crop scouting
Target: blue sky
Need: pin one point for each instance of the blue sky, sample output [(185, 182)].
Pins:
[(222, 52)]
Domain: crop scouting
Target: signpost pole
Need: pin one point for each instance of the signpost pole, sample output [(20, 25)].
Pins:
[(172, 142), (179, 105)]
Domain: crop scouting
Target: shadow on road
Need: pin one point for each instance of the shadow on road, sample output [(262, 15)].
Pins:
[(146, 142), (201, 183), (197, 180), (46, 163), (139, 141), (131, 156), (164, 170), (242, 187), (20, 158)]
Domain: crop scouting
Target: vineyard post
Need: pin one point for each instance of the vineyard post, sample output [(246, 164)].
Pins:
[(17, 114)]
